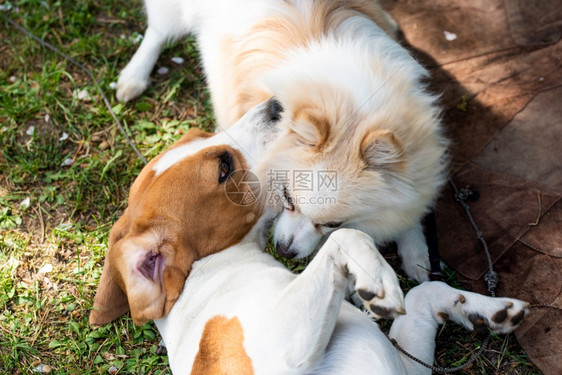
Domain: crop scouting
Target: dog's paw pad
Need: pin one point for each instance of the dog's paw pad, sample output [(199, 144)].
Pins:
[(367, 295), (385, 312), (374, 279), (501, 316), (380, 305), (516, 319), (508, 317), (380, 293), (479, 323)]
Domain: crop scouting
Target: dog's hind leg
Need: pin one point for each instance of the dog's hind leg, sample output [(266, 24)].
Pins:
[(432, 303), (302, 319)]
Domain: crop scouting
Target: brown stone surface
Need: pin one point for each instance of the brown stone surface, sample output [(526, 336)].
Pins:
[(501, 86)]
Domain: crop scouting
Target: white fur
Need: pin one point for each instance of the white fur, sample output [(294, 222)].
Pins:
[(300, 324), (358, 59), (171, 19), (179, 153), (250, 135)]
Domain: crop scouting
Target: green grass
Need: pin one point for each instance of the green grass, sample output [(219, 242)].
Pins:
[(52, 250)]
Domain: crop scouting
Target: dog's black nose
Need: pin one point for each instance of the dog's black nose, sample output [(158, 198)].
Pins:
[(284, 249), (274, 109)]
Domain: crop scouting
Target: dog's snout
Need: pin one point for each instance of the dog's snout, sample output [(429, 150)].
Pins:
[(274, 110), (284, 249)]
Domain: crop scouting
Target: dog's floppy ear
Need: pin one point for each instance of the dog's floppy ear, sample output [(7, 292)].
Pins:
[(151, 272), (110, 302), (381, 150)]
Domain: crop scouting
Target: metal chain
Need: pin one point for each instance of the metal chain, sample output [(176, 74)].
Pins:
[(461, 196), (445, 370), (491, 278)]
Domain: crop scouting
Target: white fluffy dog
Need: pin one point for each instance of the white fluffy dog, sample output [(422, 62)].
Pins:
[(362, 146)]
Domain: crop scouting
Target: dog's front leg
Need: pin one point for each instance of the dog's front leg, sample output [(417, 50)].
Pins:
[(134, 79), (307, 309), (412, 249)]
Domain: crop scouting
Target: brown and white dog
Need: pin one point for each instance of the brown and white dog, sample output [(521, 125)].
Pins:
[(185, 254), (179, 211), (362, 147)]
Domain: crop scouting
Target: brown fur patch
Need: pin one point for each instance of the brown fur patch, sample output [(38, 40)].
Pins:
[(443, 316), (221, 349), (319, 122), (181, 215), (111, 302), (381, 149)]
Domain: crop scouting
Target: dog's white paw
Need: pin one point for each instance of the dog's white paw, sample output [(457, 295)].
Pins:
[(130, 86), (412, 249), (474, 311), (417, 267), (501, 315), (375, 281)]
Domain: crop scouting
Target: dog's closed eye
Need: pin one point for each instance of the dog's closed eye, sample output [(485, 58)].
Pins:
[(332, 224)]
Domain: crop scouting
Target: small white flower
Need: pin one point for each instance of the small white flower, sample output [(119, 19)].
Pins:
[(47, 118), (136, 38), (450, 36), (83, 95), (67, 162), (46, 268), (64, 226), (178, 60), (63, 137), (30, 130), (113, 85), (12, 79), (43, 369), (25, 203), (162, 70)]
